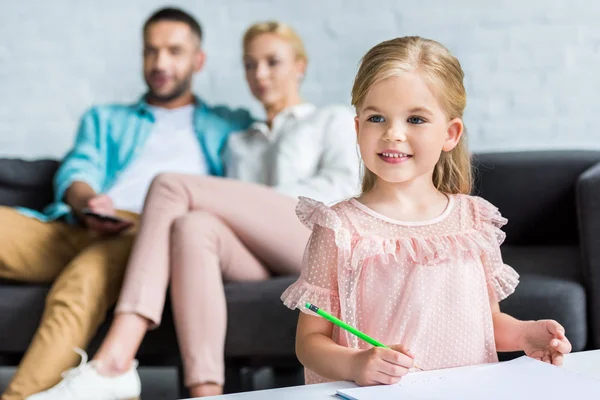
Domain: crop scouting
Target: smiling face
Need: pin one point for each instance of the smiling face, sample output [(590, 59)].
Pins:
[(402, 129)]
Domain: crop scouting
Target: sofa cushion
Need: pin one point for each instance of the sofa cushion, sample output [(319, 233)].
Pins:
[(21, 307), (563, 262), (258, 322), (26, 183), (551, 286), (544, 297)]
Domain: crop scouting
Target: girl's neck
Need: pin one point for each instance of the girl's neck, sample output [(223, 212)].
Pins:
[(272, 110), (416, 200)]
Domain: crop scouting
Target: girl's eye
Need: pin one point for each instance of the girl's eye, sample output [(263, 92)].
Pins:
[(376, 119), (415, 120)]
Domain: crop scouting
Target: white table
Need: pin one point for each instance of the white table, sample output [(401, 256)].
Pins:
[(586, 363)]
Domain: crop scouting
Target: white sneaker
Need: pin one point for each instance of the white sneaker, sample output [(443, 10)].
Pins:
[(84, 383)]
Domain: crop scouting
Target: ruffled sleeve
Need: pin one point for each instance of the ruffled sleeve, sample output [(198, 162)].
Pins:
[(317, 283), (501, 278)]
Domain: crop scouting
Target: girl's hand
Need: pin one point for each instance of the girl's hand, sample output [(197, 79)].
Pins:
[(379, 365), (545, 340)]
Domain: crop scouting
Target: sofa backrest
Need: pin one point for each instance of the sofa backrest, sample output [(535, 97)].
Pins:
[(535, 191), (26, 183)]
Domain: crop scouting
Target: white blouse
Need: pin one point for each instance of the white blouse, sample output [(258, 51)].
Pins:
[(309, 152)]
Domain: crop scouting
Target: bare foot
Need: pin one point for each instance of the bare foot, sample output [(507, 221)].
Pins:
[(206, 389)]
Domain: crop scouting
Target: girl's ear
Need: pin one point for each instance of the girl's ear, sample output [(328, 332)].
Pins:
[(453, 134)]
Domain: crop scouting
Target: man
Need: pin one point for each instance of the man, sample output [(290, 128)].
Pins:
[(117, 152)]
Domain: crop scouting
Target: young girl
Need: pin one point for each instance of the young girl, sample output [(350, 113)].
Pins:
[(414, 261)]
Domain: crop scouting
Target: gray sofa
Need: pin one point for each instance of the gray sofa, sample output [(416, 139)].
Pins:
[(552, 202)]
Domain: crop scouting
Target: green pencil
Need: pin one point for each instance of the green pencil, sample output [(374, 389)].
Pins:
[(349, 328)]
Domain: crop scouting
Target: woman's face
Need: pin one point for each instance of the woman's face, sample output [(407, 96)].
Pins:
[(272, 69)]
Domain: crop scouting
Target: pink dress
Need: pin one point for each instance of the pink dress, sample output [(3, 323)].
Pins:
[(426, 285)]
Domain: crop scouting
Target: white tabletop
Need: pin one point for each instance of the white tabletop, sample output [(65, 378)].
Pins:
[(586, 363)]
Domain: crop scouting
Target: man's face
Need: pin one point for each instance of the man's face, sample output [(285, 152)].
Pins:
[(172, 55)]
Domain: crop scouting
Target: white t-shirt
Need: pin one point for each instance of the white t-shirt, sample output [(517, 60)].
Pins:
[(171, 147)]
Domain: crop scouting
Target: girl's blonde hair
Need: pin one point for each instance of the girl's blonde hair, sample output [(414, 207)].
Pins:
[(280, 29), (444, 75)]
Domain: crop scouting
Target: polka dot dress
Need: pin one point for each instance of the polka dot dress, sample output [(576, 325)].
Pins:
[(426, 285)]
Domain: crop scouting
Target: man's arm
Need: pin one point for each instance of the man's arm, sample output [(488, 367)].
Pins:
[(82, 172), (78, 196)]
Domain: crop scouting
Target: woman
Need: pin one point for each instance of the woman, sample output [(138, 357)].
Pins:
[(199, 231)]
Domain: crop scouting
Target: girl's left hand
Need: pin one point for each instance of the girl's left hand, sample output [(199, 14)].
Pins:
[(545, 340)]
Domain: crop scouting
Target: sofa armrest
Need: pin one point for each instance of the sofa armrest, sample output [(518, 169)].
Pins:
[(588, 214), (26, 183), (20, 174)]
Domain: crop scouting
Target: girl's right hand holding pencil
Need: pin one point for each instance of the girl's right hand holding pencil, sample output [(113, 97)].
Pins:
[(379, 365)]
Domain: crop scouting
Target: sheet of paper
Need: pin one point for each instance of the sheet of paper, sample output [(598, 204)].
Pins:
[(522, 378)]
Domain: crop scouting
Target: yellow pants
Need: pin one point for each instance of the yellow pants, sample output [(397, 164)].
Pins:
[(85, 269)]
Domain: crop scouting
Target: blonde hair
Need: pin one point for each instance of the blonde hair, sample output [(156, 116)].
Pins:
[(280, 29), (441, 70)]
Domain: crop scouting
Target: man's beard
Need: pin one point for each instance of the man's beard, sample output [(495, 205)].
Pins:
[(182, 86)]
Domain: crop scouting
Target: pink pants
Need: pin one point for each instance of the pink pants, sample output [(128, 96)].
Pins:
[(200, 231)]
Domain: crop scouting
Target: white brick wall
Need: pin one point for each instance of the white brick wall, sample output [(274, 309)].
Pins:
[(532, 66)]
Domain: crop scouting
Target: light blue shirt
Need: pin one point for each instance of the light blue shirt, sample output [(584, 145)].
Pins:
[(111, 136)]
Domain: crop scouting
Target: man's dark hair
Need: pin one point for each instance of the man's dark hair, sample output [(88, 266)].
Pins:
[(175, 14)]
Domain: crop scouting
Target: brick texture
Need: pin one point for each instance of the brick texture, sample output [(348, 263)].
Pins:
[(532, 67)]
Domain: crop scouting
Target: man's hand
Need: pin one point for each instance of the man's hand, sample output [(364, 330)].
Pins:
[(80, 195), (102, 204)]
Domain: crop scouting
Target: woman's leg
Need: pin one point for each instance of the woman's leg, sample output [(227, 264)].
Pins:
[(119, 347), (141, 302), (261, 218), (238, 228), (204, 253)]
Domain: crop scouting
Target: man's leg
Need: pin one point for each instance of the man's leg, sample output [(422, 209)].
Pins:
[(35, 251), (75, 307)]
